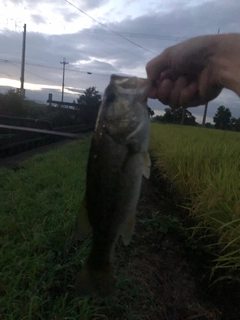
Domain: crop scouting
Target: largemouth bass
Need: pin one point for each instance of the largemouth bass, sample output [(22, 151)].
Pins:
[(118, 159)]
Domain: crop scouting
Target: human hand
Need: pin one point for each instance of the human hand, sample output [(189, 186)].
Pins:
[(186, 75)]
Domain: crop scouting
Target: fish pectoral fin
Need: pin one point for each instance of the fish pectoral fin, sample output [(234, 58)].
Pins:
[(127, 229), (82, 226), (146, 165)]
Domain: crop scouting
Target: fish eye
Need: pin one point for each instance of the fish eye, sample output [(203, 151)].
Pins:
[(111, 97)]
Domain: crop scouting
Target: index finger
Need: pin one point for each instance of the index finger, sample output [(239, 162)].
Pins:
[(157, 65)]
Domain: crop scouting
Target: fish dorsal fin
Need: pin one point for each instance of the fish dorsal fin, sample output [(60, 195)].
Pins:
[(146, 165)]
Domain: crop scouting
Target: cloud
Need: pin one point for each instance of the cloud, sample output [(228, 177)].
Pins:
[(68, 16), (83, 4), (38, 19), (97, 50), (78, 91), (90, 4)]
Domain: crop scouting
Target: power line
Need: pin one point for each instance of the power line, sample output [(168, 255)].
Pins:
[(131, 34), (37, 75), (28, 71), (40, 48), (41, 52), (32, 42), (16, 47), (110, 44), (138, 45), (6, 61), (138, 35), (57, 68)]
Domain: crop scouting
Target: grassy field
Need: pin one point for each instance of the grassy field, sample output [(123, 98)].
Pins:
[(38, 205), (38, 268), (204, 167), (156, 275)]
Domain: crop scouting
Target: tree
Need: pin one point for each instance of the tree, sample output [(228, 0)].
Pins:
[(175, 116), (222, 118), (150, 111), (90, 97), (12, 104), (235, 124), (92, 100), (159, 118), (209, 125)]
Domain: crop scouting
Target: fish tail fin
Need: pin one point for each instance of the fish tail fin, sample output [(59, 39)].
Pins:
[(82, 226), (95, 281), (127, 229)]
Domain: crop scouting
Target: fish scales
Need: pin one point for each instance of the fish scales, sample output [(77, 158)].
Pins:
[(118, 158)]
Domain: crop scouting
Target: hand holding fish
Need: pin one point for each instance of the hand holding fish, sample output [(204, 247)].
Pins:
[(195, 71)]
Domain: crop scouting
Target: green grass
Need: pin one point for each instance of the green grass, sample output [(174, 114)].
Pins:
[(204, 167), (38, 268), (38, 207)]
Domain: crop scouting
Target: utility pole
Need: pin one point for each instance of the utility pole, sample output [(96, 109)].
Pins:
[(64, 64), (204, 115), (206, 105), (22, 91), (183, 116)]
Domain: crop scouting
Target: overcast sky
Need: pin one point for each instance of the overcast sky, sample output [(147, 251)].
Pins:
[(57, 29)]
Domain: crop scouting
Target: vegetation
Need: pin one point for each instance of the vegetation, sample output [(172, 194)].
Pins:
[(38, 267), (222, 118), (38, 205), (150, 111), (175, 116), (14, 105), (90, 97), (92, 100), (155, 280), (203, 166)]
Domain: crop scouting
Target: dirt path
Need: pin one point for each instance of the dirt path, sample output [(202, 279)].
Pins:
[(167, 277), (159, 276), (167, 272)]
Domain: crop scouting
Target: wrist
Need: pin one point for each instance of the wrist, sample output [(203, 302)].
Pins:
[(227, 62)]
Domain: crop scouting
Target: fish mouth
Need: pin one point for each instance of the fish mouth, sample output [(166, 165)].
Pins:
[(132, 85)]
